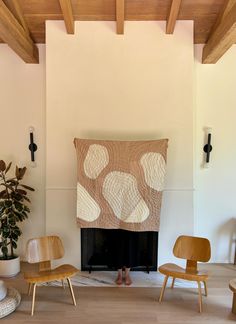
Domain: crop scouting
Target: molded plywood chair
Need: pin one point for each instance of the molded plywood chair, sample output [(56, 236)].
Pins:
[(192, 249), (42, 250)]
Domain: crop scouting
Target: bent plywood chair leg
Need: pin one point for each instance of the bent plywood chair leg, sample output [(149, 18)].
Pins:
[(71, 291), (173, 283), (205, 287), (29, 288), (33, 299), (199, 296), (163, 288), (234, 304), (63, 283)]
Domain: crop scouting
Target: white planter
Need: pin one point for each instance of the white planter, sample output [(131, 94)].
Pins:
[(9, 268)]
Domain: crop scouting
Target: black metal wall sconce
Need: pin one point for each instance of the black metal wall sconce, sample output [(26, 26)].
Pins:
[(32, 147), (207, 147)]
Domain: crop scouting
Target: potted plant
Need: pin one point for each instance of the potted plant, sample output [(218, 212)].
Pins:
[(13, 209)]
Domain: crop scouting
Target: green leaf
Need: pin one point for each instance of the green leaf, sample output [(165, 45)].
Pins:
[(8, 203), (21, 192), (27, 187), (2, 165), (18, 206), (17, 231), (15, 236), (14, 245), (5, 235), (18, 216), (4, 251), (26, 209), (3, 194), (12, 221), (7, 211), (8, 167), (17, 173), (27, 199), (5, 230), (17, 197), (22, 172)]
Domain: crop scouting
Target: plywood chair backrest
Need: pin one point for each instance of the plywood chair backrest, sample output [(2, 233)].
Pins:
[(192, 249), (43, 249)]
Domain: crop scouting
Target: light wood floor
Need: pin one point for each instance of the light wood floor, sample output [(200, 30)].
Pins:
[(128, 305)]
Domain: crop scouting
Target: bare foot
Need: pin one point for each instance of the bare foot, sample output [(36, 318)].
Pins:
[(128, 280), (118, 280)]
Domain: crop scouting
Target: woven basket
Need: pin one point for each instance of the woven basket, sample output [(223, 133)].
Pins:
[(10, 303)]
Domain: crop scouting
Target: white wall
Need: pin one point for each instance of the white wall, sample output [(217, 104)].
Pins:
[(22, 105), (215, 196), (104, 85)]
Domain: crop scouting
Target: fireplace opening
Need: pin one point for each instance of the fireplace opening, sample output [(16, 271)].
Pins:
[(95, 250)]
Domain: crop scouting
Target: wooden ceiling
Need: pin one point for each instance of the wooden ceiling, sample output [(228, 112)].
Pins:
[(208, 15)]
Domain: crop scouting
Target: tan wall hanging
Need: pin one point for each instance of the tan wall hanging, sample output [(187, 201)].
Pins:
[(120, 183)]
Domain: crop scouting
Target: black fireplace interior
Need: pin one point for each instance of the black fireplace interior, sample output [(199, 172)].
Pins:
[(95, 251)]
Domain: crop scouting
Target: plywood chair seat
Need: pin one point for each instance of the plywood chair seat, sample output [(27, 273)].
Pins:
[(62, 272), (192, 249), (232, 285), (42, 250), (175, 271)]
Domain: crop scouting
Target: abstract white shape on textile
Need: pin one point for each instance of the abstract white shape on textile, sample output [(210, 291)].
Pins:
[(139, 214), (87, 208), (120, 189), (154, 167), (96, 160)]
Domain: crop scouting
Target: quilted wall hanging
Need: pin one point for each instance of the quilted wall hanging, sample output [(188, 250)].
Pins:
[(120, 183)]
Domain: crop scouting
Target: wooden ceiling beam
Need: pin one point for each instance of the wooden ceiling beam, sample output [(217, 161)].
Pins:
[(66, 9), (223, 36), (15, 8), (120, 16), (16, 37), (227, 6), (173, 15)]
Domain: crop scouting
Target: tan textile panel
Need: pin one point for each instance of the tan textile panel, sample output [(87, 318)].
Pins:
[(120, 183)]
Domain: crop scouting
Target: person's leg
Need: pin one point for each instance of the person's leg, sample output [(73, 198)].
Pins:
[(119, 277), (128, 280), (117, 247)]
